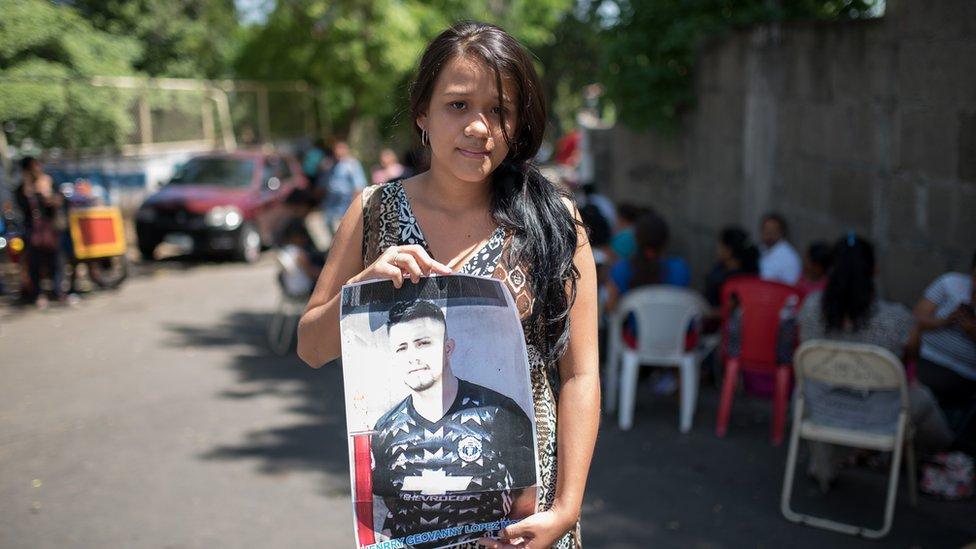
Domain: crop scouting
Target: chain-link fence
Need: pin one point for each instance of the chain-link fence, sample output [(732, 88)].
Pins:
[(135, 115)]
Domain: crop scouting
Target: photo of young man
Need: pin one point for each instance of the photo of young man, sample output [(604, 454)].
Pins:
[(452, 452)]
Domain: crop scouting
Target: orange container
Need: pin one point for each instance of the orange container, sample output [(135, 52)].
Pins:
[(97, 232)]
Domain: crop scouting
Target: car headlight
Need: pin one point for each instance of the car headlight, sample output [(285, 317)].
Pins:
[(229, 217), (146, 214)]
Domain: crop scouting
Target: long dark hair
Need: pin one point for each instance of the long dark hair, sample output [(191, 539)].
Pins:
[(651, 233), (850, 291), (741, 247), (523, 202)]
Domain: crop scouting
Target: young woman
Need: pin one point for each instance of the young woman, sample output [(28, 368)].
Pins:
[(483, 209), (849, 309), (42, 205)]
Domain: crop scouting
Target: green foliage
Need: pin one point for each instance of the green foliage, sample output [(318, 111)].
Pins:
[(361, 53), (48, 50), (185, 38), (570, 61), (651, 51), (42, 45)]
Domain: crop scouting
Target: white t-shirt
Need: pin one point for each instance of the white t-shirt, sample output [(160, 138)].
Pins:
[(781, 263), (950, 347), (293, 277)]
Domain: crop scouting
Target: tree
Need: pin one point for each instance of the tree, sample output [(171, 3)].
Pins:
[(570, 61), (42, 47), (186, 38), (650, 53), (361, 53)]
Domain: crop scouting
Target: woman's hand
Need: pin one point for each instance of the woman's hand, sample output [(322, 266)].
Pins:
[(537, 531), (399, 262)]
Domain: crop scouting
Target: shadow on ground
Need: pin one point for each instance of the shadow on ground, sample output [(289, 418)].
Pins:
[(652, 485), (316, 443), (648, 486)]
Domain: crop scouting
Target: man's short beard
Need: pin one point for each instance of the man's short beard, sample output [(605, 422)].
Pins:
[(421, 381)]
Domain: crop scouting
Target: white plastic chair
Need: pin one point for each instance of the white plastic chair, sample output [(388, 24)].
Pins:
[(859, 367), (283, 324), (663, 314)]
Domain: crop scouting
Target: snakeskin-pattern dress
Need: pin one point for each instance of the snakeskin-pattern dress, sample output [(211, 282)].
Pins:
[(388, 221)]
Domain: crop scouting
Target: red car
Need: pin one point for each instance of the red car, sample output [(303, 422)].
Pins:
[(221, 203)]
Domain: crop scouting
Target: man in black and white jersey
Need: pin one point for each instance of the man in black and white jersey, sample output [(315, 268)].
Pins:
[(452, 452)]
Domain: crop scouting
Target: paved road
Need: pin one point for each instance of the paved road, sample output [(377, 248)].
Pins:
[(154, 417)]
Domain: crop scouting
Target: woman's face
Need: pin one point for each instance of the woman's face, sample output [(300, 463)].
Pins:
[(722, 252), (463, 120)]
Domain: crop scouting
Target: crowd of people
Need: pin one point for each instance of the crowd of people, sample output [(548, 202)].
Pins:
[(336, 176), (840, 301)]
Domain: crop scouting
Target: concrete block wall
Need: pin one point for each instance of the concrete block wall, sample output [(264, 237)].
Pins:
[(866, 125)]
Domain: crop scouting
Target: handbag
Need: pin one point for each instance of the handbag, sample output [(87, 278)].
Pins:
[(43, 234)]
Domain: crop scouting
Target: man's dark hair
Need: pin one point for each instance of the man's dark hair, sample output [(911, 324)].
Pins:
[(974, 260), (631, 213), (293, 228), (784, 228), (820, 253), (26, 162), (300, 197), (405, 311)]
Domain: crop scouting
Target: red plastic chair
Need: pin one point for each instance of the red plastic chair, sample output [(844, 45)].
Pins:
[(761, 302)]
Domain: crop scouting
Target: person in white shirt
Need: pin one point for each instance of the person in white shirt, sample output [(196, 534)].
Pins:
[(779, 261), (947, 361)]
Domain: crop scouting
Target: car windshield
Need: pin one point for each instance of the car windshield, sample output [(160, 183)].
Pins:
[(225, 172)]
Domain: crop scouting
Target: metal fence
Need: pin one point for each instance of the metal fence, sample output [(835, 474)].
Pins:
[(137, 115)]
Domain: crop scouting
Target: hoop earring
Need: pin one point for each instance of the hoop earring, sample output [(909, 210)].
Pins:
[(424, 138)]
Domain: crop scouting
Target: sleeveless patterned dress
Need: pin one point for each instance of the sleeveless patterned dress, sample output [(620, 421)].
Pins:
[(388, 221)]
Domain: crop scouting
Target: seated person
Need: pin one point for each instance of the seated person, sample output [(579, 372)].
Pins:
[(849, 309), (649, 265), (735, 255), (302, 263), (947, 357), (623, 243), (779, 261), (816, 263)]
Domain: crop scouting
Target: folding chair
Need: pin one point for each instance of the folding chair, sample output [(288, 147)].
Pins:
[(860, 367), (663, 314), (283, 324)]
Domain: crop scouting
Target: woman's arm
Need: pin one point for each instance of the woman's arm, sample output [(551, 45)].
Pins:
[(579, 398), (578, 417), (925, 316), (318, 330)]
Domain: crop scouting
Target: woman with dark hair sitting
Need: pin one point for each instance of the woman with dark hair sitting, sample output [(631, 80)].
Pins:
[(649, 264), (849, 309), (816, 265), (735, 255)]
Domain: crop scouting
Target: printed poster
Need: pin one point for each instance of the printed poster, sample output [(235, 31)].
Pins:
[(439, 411)]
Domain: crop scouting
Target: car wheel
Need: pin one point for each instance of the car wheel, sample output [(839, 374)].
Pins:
[(249, 244)]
